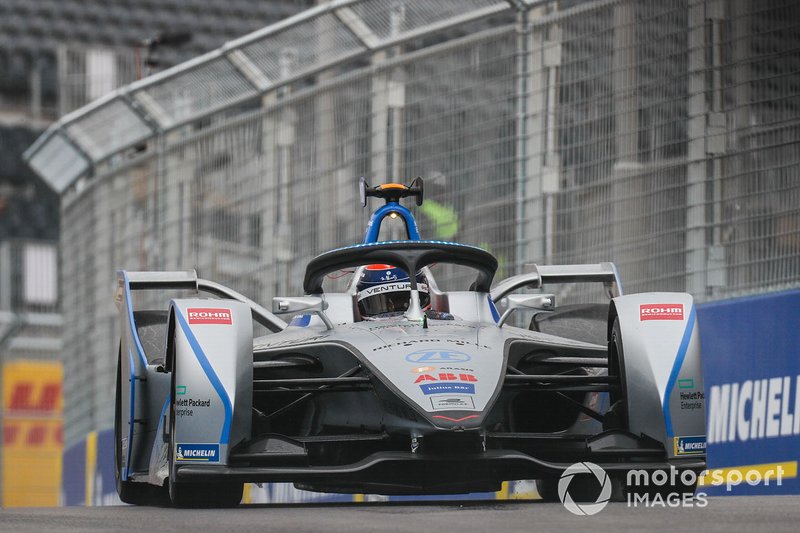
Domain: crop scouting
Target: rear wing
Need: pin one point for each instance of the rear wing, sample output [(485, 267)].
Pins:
[(605, 273), (128, 281)]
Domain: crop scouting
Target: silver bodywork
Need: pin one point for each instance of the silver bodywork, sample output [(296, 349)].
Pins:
[(425, 380), (664, 363)]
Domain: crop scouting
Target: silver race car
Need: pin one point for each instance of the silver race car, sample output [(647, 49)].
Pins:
[(394, 385)]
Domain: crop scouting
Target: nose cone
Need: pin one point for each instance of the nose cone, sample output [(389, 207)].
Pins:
[(442, 371)]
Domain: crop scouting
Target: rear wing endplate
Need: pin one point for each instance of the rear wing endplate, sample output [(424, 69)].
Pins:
[(605, 273), (187, 280)]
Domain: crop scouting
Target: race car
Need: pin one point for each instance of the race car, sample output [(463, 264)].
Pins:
[(394, 385)]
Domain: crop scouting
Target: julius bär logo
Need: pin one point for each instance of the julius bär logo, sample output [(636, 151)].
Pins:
[(661, 312), (209, 316)]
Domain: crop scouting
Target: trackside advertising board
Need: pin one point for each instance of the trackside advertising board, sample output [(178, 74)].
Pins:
[(89, 471), (751, 366), (32, 433)]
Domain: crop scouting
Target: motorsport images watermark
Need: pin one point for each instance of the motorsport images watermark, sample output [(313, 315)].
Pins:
[(584, 508), (652, 488)]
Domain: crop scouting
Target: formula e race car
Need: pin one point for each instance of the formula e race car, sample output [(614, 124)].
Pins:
[(396, 386)]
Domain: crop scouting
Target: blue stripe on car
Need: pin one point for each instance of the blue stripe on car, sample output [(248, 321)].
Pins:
[(164, 408), (493, 309), (127, 470), (382, 243), (676, 368), (134, 333), (212, 376)]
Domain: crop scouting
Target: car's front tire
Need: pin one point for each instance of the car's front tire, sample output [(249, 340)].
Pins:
[(128, 491), (205, 494), (582, 488), (196, 494)]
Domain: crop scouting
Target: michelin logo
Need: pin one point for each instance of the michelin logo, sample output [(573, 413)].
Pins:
[(754, 409), (690, 445), (206, 453)]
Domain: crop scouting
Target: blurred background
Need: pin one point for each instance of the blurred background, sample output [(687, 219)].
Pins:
[(228, 136)]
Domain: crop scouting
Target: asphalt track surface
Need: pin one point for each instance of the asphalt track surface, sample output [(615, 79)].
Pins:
[(728, 514)]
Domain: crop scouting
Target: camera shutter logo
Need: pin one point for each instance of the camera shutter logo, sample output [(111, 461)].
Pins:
[(584, 509)]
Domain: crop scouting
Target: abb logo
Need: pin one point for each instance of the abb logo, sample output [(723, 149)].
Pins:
[(446, 376), (661, 312), (209, 316)]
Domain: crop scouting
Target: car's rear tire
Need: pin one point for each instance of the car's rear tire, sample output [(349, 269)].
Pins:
[(128, 491)]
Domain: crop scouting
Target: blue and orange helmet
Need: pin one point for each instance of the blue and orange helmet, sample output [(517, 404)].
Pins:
[(386, 290)]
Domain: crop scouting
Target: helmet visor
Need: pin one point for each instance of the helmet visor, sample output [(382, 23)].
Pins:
[(389, 298)]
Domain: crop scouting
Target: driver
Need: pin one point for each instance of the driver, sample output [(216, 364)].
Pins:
[(384, 291)]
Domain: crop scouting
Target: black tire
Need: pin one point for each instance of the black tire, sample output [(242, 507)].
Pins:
[(617, 415), (547, 489), (195, 495), (582, 488), (128, 491), (580, 322)]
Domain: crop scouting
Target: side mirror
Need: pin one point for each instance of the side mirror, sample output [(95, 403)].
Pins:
[(535, 302), (308, 304)]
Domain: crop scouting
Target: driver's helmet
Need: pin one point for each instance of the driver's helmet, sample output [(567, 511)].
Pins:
[(386, 290)]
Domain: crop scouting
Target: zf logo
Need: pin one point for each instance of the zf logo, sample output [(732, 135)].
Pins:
[(437, 356)]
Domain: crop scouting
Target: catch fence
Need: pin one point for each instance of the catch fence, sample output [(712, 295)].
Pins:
[(661, 135)]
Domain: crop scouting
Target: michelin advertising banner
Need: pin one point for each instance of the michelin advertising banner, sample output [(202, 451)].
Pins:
[(751, 360)]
